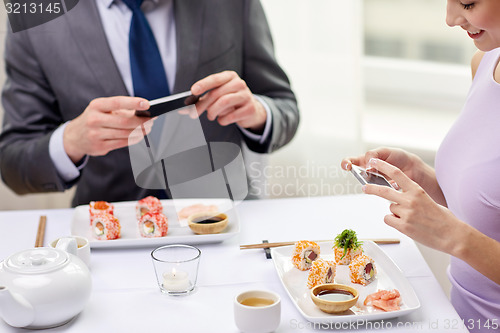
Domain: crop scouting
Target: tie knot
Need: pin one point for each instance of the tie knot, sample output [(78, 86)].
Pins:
[(133, 4)]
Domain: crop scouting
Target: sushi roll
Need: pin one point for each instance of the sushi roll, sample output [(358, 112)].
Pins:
[(153, 224), (346, 247), (343, 257), (304, 253), (106, 226), (148, 204), (322, 271), (100, 207), (362, 270)]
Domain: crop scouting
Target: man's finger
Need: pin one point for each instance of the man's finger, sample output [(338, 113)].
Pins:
[(108, 104), (212, 81)]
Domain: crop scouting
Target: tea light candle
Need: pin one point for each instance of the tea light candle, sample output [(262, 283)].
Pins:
[(176, 280)]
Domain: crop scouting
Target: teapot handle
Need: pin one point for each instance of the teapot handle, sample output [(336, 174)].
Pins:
[(67, 244)]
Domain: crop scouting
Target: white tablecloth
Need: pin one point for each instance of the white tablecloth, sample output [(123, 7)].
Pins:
[(126, 298)]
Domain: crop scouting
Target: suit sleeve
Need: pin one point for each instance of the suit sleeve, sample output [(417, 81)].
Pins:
[(31, 114), (266, 78)]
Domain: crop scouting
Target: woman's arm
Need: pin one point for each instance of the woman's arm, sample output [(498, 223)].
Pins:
[(470, 242), (418, 216)]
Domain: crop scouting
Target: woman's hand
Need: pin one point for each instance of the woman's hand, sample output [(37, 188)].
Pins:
[(418, 216), (414, 212), (405, 161), (410, 164)]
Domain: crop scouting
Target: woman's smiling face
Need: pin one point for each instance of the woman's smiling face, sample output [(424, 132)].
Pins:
[(480, 18)]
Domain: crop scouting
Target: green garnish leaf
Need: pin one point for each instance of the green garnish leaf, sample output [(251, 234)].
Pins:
[(347, 239)]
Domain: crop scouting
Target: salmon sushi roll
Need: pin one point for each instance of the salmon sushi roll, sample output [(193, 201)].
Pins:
[(153, 224), (148, 204), (362, 270), (304, 253), (322, 271), (105, 227), (100, 207)]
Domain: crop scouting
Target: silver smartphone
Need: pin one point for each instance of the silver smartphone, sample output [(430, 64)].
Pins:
[(368, 177)]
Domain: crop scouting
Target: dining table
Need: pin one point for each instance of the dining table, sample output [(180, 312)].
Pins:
[(125, 296)]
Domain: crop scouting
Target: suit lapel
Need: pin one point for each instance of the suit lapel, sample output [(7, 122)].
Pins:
[(84, 21), (86, 28), (189, 22)]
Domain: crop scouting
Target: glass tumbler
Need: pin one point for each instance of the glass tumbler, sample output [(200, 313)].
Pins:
[(176, 268)]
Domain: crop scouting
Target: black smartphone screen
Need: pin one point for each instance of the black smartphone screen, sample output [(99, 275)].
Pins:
[(166, 104)]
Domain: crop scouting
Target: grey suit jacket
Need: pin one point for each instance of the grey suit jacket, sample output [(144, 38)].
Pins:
[(56, 69)]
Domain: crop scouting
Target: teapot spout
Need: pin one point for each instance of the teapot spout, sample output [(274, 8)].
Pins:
[(14, 309)]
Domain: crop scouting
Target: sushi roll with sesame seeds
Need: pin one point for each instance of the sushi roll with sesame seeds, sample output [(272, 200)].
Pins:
[(106, 226), (322, 271), (362, 270), (347, 247), (153, 224), (304, 253), (148, 204), (99, 207)]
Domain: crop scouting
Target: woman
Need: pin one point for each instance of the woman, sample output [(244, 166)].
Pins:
[(456, 207)]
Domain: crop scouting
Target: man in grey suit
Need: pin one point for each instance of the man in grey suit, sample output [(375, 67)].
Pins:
[(68, 94)]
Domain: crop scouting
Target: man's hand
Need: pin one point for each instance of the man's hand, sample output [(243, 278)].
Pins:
[(229, 100), (105, 125)]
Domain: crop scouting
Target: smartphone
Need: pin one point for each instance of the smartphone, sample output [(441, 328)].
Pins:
[(368, 177), (166, 104)]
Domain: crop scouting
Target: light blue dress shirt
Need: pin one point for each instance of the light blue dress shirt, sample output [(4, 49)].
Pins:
[(116, 18)]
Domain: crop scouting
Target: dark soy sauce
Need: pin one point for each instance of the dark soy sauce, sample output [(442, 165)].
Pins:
[(335, 295), (208, 220)]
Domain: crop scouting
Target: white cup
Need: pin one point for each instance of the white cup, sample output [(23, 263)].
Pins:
[(82, 250), (253, 315)]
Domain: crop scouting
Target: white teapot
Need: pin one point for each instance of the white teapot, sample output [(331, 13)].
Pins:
[(43, 287)]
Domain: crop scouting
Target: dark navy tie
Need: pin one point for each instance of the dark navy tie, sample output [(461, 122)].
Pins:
[(148, 73)]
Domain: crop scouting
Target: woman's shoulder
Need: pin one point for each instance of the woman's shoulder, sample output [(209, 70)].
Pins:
[(476, 60), (484, 59)]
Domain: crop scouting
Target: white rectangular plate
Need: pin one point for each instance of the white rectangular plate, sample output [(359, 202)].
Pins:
[(389, 276), (178, 230)]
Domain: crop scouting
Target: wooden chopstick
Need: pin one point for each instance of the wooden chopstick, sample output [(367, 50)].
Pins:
[(267, 250), (277, 244), (41, 231)]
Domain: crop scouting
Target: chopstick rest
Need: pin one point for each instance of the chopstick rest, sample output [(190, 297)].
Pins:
[(266, 249)]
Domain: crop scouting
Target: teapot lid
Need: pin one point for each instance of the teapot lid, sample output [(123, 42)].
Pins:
[(36, 261)]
